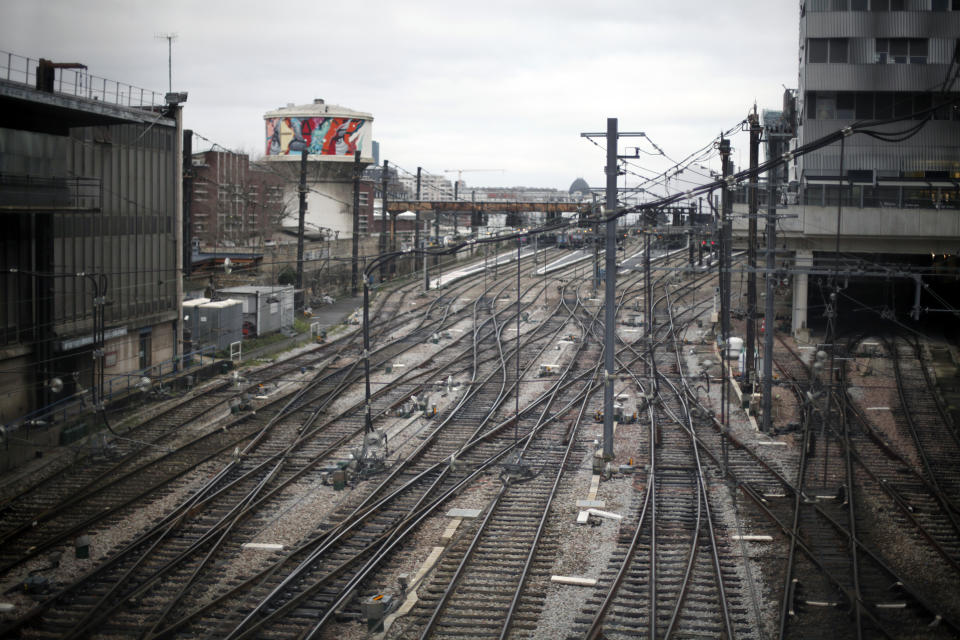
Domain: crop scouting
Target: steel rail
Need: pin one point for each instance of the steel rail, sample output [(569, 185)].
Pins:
[(702, 483), (474, 389), (388, 542), (922, 453), (459, 572), (168, 524)]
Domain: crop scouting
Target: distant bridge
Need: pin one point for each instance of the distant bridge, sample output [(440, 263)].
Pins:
[(485, 206)]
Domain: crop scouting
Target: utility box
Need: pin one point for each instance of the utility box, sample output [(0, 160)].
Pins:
[(220, 323), (191, 323), (375, 609), (548, 369), (82, 547)]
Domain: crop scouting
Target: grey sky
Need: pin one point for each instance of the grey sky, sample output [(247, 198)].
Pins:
[(493, 85)]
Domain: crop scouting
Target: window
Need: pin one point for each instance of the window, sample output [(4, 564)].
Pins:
[(864, 106), (817, 49), (838, 49), (826, 106), (884, 106), (940, 5), (827, 50), (901, 50), (846, 101), (902, 105), (858, 5), (918, 50), (898, 5), (944, 111), (880, 5)]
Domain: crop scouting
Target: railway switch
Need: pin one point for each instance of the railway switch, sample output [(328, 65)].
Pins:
[(375, 609)]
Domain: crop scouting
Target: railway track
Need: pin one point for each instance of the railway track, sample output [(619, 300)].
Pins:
[(672, 573), (482, 587), (678, 568), (175, 572)]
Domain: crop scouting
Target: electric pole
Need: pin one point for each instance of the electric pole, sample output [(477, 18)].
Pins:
[(748, 362), (382, 244), (436, 234), (724, 266), (771, 229), (356, 223), (188, 175), (610, 310), (416, 229), (302, 190), (456, 212), (612, 171), (422, 258)]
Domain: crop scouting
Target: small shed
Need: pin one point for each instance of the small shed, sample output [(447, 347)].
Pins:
[(266, 309), (220, 323)]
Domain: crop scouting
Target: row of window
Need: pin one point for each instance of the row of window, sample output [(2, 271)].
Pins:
[(884, 5), (872, 105), (886, 50)]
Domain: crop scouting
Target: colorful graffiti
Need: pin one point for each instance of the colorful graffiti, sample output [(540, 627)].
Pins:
[(318, 136)]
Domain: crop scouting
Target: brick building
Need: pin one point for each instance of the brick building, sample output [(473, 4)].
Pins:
[(235, 202)]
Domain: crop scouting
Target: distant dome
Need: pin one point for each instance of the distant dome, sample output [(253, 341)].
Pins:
[(579, 188)]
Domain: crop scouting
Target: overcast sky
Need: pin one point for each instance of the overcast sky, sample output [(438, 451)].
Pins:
[(494, 85)]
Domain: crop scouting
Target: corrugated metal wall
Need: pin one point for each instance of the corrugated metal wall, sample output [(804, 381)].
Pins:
[(937, 146), (873, 77), (890, 24), (132, 238)]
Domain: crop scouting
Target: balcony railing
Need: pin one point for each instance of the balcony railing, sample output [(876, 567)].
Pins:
[(79, 83)]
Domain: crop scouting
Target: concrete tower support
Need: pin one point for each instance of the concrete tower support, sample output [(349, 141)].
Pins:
[(802, 262)]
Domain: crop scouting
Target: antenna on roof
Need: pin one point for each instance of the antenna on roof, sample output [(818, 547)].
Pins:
[(169, 37)]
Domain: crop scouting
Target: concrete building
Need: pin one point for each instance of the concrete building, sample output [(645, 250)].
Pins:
[(872, 60), (330, 135), (897, 198), (432, 186), (235, 203), (91, 250)]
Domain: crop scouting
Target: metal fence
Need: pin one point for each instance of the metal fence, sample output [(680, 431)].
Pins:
[(79, 83), (67, 409)]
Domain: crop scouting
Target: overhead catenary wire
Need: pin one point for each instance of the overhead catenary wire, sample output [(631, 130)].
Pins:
[(862, 127)]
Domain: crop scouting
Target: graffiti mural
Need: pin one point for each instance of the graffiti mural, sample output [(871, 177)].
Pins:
[(318, 136)]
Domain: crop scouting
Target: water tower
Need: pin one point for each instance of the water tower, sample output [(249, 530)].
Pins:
[(330, 135)]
